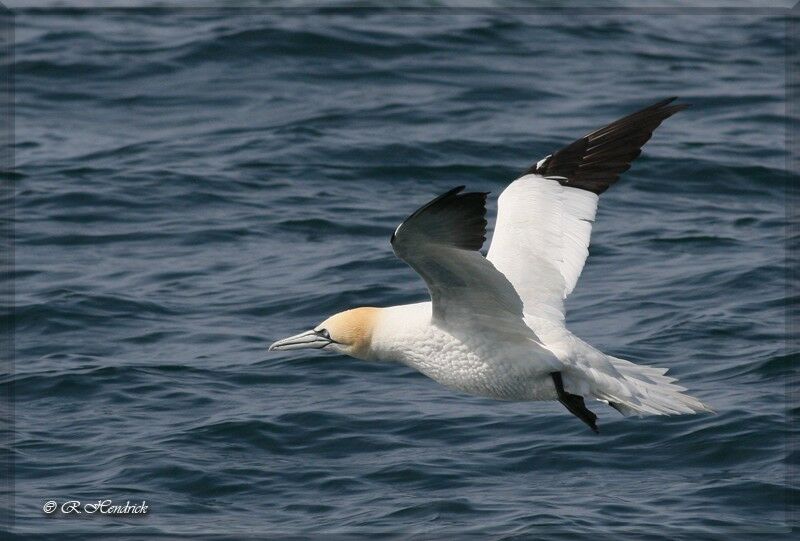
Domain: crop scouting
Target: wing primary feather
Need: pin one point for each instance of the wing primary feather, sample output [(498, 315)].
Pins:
[(595, 161), (452, 219)]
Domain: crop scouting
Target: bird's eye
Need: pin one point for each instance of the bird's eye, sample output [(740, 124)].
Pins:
[(324, 333)]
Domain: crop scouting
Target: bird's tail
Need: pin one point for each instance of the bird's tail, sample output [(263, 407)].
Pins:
[(646, 390)]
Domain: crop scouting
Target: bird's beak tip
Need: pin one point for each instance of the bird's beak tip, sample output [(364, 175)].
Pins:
[(304, 340)]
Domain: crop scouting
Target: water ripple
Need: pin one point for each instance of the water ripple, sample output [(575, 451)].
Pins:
[(194, 183)]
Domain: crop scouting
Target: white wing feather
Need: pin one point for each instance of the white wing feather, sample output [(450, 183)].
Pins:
[(440, 241), (541, 241)]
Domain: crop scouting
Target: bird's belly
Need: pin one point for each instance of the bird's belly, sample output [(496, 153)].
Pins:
[(497, 370)]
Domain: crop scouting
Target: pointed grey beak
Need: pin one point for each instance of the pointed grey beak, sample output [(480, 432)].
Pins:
[(304, 340)]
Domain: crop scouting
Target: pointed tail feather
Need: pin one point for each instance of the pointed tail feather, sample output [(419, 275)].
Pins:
[(647, 390)]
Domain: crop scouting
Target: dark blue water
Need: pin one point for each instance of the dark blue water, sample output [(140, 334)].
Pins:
[(195, 183)]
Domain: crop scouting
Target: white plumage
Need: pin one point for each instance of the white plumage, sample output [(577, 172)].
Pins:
[(495, 325), (542, 231)]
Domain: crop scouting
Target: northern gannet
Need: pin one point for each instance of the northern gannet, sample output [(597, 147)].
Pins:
[(495, 325)]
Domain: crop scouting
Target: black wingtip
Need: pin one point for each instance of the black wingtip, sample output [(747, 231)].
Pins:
[(595, 161), (454, 219), (669, 100)]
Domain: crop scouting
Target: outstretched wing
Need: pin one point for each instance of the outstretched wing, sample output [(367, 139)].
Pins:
[(441, 242), (544, 219)]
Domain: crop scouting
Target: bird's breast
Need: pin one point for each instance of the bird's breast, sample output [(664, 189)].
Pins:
[(474, 364)]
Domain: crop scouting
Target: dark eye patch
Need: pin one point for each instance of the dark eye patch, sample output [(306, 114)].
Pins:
[(324, 333)]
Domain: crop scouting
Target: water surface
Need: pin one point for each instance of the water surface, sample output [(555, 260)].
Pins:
[(195, 183)]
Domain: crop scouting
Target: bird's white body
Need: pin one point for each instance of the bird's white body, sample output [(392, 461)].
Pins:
[(482, 362), (468, 359)]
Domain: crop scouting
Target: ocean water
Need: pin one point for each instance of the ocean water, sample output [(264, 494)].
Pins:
[(193, 184)]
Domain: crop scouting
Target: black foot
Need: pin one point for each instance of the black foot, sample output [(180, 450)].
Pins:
[(616, 407), (574, 403)]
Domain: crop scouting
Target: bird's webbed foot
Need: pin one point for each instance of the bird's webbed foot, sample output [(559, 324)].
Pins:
[(574, 403)]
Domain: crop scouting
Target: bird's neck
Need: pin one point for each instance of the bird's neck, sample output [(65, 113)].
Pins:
[(397, 329)]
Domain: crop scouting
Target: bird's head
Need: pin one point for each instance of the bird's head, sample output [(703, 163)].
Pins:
[(348, 332)]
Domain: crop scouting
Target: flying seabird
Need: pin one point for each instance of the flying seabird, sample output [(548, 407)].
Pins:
[(495, 325)]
